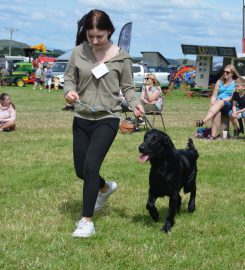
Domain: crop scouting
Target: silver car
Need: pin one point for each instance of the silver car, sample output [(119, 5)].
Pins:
[(58, 70)]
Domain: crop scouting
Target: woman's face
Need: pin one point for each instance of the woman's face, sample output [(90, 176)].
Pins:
[(5, 102), (97, 38), (150, 80), (227, 73)]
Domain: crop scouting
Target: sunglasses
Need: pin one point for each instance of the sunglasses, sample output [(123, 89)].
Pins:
[(149, 79), (227, 72)]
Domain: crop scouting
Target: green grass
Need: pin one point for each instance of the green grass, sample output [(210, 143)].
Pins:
[(40, 196)]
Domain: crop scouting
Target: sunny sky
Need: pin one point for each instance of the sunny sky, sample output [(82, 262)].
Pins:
[(157, 25)]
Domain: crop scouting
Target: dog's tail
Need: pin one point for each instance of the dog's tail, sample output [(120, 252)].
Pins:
[(191, 147)]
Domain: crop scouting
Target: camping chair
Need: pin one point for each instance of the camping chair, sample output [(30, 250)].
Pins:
[(154, 114)]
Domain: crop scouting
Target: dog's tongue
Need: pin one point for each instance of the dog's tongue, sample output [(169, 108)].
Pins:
[(143, 158)]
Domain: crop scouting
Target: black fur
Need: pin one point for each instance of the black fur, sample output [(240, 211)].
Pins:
[(171, 170)]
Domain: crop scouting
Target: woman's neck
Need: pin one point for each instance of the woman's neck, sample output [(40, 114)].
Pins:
[(4, 107), (228, 81), (102, 49)]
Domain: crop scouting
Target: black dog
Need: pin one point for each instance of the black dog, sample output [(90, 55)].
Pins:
[(171, 170)]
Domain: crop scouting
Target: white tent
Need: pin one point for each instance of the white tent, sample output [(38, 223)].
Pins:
[(65, 56)]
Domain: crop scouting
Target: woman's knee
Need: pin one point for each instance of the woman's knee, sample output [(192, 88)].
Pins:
[(90, 169), (220, 103)]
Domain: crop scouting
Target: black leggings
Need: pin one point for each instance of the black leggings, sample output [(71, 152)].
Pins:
[(91, 142)]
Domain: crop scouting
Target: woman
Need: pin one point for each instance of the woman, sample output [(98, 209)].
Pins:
[(38, 77), (96, 72), (151, 95), (238, 107), (221, 99), (7, 113)]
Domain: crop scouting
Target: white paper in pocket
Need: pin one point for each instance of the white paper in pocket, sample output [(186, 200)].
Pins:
[(100, 70)]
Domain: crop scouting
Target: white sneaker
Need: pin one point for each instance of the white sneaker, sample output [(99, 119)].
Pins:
[(84, 229), (102, 197)]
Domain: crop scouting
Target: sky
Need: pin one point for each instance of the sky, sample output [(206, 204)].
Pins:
[(160, 26)]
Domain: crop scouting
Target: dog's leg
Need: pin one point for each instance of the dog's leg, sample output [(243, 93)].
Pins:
[(150, 206), (169, 220), (178, 204), (192, 201)]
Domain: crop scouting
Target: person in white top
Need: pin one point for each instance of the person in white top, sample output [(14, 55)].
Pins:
[(7, 113)]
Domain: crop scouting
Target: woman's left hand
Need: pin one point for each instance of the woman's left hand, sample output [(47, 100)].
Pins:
[(139, 111)]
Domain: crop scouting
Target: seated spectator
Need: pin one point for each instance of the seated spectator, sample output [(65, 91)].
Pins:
[(238, 107), (7, 113), (220, 100), (151, 95)]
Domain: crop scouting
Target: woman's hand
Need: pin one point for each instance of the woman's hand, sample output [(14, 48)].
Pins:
[(71, 97), (234, 114), (139, 111)]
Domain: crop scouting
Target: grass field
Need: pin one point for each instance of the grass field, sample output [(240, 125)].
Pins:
[(40, 196)]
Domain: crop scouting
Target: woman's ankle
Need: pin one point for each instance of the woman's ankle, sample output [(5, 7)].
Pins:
[(105, 188), (88, 219)]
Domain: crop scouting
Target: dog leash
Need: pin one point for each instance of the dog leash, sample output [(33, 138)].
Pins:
[(95, 109)]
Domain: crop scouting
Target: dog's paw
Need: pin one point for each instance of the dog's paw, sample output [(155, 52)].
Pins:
[(191, 207), (154, 215), (153, 212), (167, 226)]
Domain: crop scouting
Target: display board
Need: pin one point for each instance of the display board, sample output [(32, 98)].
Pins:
[(209, 50), (203, 66)]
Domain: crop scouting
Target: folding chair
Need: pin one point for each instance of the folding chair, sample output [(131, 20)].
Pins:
[(126, 111), (154, 114)]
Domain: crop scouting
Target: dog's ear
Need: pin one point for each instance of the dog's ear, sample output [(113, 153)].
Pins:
[(167, 143)]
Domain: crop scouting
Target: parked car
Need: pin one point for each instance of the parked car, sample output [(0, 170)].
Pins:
[(139, 75), (58, 70), (141, 71)]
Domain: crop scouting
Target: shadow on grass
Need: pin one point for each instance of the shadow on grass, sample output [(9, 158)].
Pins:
[(72, 208)]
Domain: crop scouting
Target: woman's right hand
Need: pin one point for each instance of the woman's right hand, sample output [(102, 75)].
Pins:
[(71, 97)]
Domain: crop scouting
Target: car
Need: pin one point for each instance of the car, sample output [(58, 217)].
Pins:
[(141, 71), (58, 70)]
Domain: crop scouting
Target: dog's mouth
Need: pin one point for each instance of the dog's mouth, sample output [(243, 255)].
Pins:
[(143, 158)]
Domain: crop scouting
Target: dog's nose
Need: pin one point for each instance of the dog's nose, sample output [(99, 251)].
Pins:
[(141, 148)]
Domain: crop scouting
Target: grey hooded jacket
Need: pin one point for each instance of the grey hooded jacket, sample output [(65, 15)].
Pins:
[(103, 92)]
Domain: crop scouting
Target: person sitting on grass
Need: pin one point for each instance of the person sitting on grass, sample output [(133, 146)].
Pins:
[(238, 107), (221, 99), (7, 113)]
